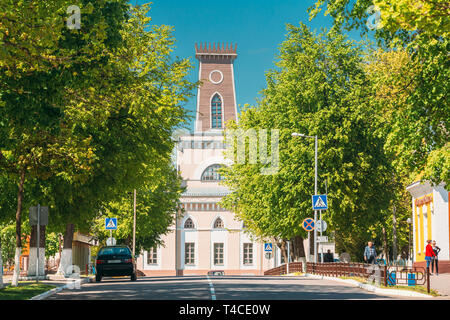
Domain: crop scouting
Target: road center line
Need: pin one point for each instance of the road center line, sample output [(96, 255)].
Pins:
[(211, 288)]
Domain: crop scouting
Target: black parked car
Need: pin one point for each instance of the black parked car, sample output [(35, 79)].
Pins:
[(115, 261)]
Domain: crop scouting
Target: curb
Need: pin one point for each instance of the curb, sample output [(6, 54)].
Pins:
[(60, 288), (372, 288), (29, 278)]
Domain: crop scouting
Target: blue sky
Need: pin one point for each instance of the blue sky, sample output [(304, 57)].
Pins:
[(257, 26)]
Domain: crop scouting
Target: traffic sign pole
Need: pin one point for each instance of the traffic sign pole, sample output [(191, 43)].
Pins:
[(321, 245), (110, 224), (315, 192), (309, 246)]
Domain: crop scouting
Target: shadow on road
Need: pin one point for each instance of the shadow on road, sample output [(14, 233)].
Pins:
[(226, 288)]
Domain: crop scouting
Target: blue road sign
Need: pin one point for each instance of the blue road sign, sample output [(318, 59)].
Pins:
[(320, 202), (267, 247), (111, 223), (308, 224)]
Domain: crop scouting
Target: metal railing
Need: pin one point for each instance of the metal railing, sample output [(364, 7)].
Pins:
[(390, 275), (293, 267), (339, 269)]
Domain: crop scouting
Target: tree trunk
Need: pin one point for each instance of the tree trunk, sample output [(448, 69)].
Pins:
[(33, 251), (60, 248), (394, 234), (129, 241), (15, 279), (283, 249), (1, 265), (65, 263), (385, 249), (297, 249)]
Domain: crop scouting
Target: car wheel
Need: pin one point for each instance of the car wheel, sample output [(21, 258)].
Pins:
[(133, 277), (98, 278)]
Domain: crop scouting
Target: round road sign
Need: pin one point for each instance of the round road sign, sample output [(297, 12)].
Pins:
[(321, 225)]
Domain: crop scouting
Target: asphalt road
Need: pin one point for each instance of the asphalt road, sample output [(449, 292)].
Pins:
[(217, 288)]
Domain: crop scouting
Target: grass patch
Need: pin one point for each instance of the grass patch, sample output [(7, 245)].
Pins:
[(359, 279), (419, 288), (25, 290)]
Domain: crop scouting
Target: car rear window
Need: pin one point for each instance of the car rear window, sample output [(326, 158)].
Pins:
[(114, 251)]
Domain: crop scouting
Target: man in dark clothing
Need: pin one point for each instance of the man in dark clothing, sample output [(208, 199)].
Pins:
[(434, 260), (328, 257)]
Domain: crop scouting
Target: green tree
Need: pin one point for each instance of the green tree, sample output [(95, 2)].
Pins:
[(409, 74), (39, 60), (156, 207), (319, 88), (418, 128), (427, 16), (128, 113)]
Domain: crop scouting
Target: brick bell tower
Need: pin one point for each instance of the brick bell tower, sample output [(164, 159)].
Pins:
[(216, 97)]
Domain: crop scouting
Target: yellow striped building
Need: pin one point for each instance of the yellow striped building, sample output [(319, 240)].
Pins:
[(430, 220)]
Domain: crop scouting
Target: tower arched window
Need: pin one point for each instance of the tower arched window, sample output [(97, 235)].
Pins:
[(212, 173), (218, 224), (216, 112), (189, 224)]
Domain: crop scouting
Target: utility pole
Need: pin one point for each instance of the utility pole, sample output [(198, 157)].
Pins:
[(38, 242)]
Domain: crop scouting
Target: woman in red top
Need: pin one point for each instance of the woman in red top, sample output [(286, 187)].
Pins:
[(429, 253)]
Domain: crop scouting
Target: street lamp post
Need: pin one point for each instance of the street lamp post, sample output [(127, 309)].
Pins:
[(409, 239), (295, 134)]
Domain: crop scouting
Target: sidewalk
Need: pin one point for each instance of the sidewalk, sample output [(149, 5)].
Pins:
[(58, 280), (441, 283)]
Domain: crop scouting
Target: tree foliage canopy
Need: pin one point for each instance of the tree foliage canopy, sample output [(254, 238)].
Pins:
[(86, 115), (319, 88)]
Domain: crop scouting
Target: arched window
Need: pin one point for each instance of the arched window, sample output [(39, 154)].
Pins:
[(216, 112), (189, 224), (212, 173), (218, 224)]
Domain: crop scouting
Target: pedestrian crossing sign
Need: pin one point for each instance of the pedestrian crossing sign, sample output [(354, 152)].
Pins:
[(320, 202), (111, 223), (267, 247)]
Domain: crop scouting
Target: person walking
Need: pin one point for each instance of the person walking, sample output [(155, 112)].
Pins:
[(434, 260), (370, 254), (429, 253)]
